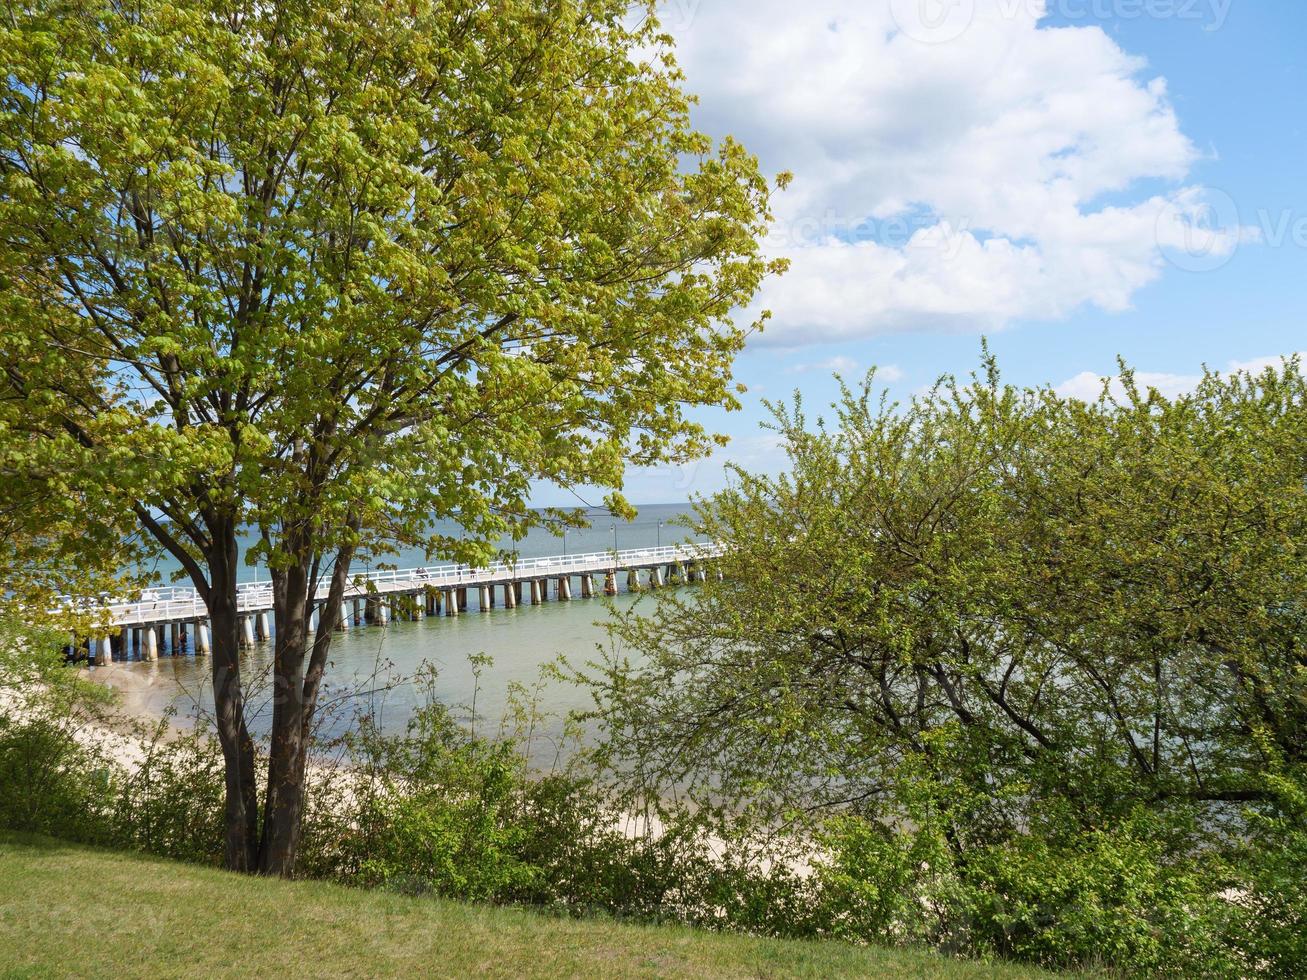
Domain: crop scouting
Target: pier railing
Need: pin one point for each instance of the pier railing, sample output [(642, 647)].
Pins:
[(179, 603)]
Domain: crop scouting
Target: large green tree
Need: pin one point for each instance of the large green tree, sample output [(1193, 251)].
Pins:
[(1005, 593), (338, 270)]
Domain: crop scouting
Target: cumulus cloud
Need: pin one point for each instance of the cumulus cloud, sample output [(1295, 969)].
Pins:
[(957, 185), (1087, 385)]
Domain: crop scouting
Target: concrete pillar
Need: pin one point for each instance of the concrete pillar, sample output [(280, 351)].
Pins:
[(124, 650), (150, 651), (203, 644), (343, 624), (356, 616), (102, 649), (490, 596), (565, 588), (510, 595), (633, 581), (451, 603), (610, 583), (383, 613), (462, 599), (261, 627), (247, 632), (136, 641), (429, 599), (483, 598), (419, 603), (587, 587)]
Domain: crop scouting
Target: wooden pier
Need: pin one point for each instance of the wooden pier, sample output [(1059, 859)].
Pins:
[(174, 620)]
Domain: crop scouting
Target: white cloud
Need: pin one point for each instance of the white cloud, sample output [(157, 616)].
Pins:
[(955, 185), (1087, 385), (839, 363), (1259, 364), (848, 367)]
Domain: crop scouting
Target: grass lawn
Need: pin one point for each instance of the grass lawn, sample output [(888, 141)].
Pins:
[(72, 911)]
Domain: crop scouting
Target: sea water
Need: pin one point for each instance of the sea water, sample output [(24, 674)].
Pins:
[(478, 657)]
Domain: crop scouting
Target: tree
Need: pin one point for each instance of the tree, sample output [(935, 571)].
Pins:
[(337, 271), (1012, 597)]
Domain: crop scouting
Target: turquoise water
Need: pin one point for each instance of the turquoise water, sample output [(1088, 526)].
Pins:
[(373, 666)]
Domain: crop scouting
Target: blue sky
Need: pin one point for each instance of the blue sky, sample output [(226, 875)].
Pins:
[(1046, 154)]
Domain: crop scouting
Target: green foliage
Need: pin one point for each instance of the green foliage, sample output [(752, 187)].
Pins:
[(340, 273), (170, 802), (1271, 869), (1033, 655), (52, 779), (49, 784)]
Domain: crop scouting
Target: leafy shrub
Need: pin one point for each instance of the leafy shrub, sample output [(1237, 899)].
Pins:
[(171, 804), (49, 784), (1271, 929)]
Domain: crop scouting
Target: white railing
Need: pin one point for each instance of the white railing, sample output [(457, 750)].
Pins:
[(176, 603)]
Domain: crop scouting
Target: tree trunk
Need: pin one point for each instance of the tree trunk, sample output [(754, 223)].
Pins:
[(284, 806), (241, 808), (295, 701)]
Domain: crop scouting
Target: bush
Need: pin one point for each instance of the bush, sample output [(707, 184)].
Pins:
[(172, 803), (51, 785), (1271, 929)]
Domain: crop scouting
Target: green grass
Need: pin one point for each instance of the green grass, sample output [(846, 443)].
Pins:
[(69, 910)]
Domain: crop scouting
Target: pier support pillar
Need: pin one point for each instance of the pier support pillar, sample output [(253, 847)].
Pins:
[(633, 581), (247, 632), (510, 595), (383, 613), (451, 603), (610, 583), (483, 599), (565, 588), (261, 630), (203, 644), (103, 651), (462, 600), (344, 622), (432, 605), (150, 650)]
